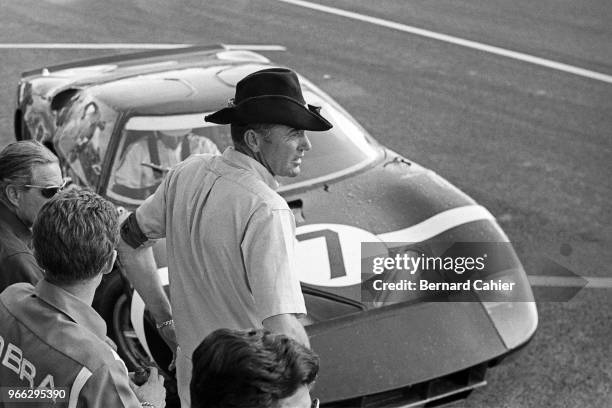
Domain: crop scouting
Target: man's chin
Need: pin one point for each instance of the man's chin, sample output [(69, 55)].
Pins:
[(293, 172)]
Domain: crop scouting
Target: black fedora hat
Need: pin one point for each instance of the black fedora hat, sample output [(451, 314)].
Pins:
[(272, 96)]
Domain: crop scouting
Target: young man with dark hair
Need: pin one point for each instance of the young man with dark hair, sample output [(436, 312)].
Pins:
[(29, 176), (252, 369), (229, 235), (50, 336)]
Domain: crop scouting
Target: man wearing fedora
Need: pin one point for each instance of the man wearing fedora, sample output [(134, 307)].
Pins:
[(229, 235)]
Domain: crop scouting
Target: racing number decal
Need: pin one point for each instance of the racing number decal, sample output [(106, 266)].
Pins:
[(330, 254), (334, 251)]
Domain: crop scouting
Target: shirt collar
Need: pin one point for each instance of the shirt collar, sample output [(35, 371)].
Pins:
[(15, 225), (80, 312), (245, 162)]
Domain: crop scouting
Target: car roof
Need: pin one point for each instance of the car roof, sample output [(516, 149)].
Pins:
[(189, 80), (187, 89)]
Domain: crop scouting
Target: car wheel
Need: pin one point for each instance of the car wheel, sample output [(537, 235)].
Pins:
[(124, 334), (113, 304)]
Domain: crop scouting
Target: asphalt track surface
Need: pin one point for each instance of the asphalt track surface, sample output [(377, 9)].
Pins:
[(533, 144)]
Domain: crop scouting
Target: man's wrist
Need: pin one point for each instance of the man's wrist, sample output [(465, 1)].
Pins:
[(161, 325), (160, 309), (160, 314)]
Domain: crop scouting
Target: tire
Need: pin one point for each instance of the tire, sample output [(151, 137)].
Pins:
[(112, 301)]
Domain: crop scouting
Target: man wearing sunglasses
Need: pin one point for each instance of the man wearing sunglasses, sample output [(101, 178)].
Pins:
[(29, 176)]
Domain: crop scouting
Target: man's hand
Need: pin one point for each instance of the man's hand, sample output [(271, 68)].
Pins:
[(153, 390)]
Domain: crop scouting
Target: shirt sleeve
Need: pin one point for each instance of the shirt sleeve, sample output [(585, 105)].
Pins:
[(268, 250), (19, 267), (151, 215), (108, 386)]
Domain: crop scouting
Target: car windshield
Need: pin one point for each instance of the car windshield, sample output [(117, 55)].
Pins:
[(151, 145)]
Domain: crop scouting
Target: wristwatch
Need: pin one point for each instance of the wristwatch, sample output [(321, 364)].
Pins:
[(164, 324)]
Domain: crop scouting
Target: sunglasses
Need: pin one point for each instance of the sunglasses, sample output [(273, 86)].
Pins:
[(315, 403), (48, 191)]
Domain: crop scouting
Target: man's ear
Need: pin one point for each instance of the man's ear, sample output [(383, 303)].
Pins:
[(13, 194), (252, 140), (109, 266)]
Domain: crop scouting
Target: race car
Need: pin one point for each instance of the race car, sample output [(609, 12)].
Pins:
[(368, 222)]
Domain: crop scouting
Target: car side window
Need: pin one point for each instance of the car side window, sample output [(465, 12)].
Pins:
[(83, 138)]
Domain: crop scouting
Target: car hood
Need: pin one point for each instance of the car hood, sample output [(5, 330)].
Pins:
[(392, 203), (394, 193)]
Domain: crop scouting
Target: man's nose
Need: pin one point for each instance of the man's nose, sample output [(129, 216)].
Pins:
[(305, 145)]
